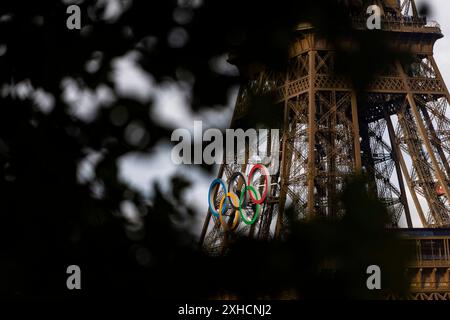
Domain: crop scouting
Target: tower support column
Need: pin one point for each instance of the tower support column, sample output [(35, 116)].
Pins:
[(423, 132), (311, 131)]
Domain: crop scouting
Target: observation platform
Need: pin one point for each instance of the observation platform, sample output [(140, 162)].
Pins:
[(430, 270)]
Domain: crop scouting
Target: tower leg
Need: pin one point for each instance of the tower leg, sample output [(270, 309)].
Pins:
[(311, 133), (424, 136), (356, 142), (284, 169), (396, 156)]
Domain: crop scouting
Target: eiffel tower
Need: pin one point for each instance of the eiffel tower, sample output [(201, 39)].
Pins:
[(400, 138)]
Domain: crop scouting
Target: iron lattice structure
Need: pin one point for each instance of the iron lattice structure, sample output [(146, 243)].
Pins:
[(400, 138)]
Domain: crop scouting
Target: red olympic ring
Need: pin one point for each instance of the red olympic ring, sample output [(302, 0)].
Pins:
[(266, 175)]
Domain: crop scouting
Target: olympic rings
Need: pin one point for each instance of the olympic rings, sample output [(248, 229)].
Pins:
[(236, 215), (230, 184), (230, 200), (265, 173), (211, 195), (258, 206)]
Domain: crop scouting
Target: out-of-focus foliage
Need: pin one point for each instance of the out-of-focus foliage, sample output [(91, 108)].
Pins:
[(324, 258), (50, 219)]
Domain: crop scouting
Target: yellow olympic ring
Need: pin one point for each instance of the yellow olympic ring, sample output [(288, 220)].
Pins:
[(234, 198)]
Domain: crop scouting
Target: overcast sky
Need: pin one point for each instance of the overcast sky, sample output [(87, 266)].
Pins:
[(440, 12)]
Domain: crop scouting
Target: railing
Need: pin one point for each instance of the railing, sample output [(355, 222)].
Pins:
[(393, 23), (430, 286), (431, 263)]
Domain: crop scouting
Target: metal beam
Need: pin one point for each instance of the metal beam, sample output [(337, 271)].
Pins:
[(396, 157), (356, 142), (311, 131)]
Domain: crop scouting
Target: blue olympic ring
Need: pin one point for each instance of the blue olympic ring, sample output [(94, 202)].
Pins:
[(211, 194)]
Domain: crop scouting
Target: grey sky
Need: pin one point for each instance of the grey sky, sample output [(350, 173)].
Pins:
[(440, 12)]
